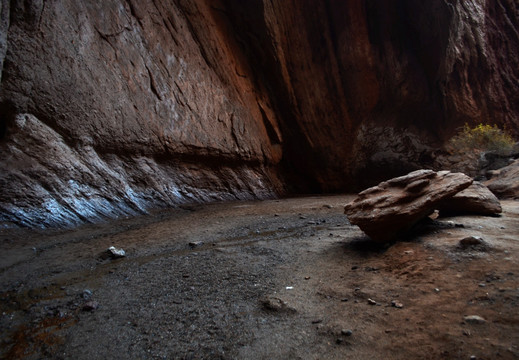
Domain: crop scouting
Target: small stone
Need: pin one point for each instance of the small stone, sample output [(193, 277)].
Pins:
[(115, 253), (87, 294), (90, 306), (307, 277), (195, 244), (317, 321), (474, 319), (344, 299), (354, 267), (471, 241), (272, 303), (346, 332), (326, 206), (436, 290), (482, 285), (473, 357), (397, 304), (372, 302), (339, 341), (370, 268)]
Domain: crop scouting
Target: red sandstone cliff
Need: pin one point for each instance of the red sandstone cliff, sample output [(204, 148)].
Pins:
[(115, 107)]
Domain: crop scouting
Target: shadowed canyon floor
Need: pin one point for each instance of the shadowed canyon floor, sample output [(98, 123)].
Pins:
[(280, 279)]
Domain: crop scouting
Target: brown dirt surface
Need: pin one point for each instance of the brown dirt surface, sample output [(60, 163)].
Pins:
[(279, 279)]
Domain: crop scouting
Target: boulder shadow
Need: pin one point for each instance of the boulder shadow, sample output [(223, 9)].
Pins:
[(364, 246)]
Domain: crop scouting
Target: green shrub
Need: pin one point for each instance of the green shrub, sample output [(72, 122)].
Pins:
[(481, 138)]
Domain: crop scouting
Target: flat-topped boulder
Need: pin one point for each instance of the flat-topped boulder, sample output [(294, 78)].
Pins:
[(392, 207)]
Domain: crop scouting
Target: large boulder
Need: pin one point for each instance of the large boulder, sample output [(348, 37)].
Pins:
[(505, 182), (391, 208), (476, 199)]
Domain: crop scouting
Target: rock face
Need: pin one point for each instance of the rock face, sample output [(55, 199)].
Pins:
[(391, 208), (505, 182), (110, 108), (476, 199)]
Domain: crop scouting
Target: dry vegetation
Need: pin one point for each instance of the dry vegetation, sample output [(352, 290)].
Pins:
[(482, 138)]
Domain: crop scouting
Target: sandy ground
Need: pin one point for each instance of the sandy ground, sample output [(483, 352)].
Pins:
[(280, 279)]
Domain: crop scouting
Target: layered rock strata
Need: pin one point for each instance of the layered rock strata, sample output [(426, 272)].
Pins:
[(505, 182), (388, 210), (111, 108), (476, 199)]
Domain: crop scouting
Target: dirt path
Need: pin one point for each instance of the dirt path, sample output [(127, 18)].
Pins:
[(281, 279)]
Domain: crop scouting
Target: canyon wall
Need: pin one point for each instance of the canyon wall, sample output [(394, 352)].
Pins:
[(113, 108)]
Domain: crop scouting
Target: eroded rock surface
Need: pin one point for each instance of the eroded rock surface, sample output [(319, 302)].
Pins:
[(391, 208), (476, 199), (113, 108), (505, 182), (134, 105)]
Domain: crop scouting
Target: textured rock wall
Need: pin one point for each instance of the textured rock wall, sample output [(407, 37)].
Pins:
[(114, 107), (369, 89)]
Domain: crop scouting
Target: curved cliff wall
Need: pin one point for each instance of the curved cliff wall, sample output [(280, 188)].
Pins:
[(113, 108), (368, 89)]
